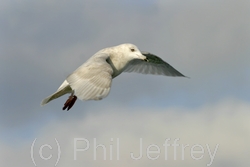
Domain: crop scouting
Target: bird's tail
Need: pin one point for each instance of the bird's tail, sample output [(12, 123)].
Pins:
[(62, 90)]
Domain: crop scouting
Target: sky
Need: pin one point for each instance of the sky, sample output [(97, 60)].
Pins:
[(146, 120)]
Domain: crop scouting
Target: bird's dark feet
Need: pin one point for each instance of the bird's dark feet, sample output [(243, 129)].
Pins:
[(70, 102)]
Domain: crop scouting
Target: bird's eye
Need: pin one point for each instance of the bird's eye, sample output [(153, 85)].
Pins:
[(132, 49)]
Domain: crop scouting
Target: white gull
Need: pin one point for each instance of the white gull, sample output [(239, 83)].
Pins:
[(92, 80)]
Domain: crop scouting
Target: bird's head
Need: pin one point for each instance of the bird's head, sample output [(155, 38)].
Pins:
[(132, 52)]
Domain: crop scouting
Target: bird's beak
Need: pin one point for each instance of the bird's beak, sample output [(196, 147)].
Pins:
[(142, 57)]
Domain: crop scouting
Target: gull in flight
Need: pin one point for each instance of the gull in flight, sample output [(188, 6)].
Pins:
[(92, 80)]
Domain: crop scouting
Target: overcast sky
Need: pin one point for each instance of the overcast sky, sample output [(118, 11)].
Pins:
[(41, 42)]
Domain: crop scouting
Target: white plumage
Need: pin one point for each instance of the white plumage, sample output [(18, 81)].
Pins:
[(92, 80)]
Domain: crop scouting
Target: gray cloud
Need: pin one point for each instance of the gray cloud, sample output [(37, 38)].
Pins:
[(44, 41), (224, 123)]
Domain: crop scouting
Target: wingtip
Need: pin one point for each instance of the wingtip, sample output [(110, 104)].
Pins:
[(42, 104), (44, 101), (186, 76)]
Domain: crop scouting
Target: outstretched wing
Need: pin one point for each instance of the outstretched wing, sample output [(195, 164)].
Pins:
[(154, 65), (92, 80)]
